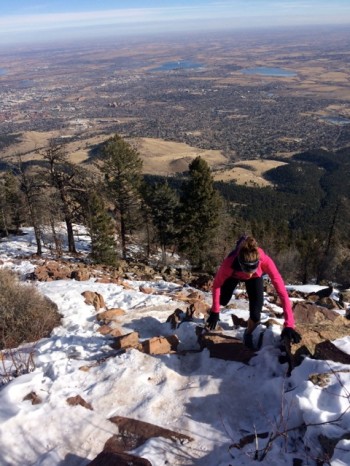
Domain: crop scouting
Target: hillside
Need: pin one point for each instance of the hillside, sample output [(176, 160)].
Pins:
[(160, 157), (93, 384)]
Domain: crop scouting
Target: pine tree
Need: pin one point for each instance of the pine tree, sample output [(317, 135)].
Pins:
[(200, 214), (163, 202), (69, 180), (121, 165), (12, 210), (32, 188), (101, 228)]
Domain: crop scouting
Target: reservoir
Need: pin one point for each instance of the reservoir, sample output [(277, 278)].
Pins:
[(177, 65), (337, 120), (267, 71)]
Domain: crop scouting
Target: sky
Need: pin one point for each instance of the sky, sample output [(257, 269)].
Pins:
[(214, 402), (45, 20)]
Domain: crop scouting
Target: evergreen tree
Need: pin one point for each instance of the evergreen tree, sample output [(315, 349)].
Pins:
[(12, 210), (163, 202), (69, 180), (121, 165), (32, 188), (200, 214), (102, 230)]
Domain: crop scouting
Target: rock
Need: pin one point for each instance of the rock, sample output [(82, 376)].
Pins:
[(224, 347), (131, 340), (110, 315), (111, 458), (323, 293), (146, 290), (308, 313), (175, 318), (80, 275), (78, 400), (327, 351), (318, 327), (161, 345), (345, 296), (203, 282), (238, 321), (110, 331), (197, 310), (33, 397), (134, 433), (94, 298), (329, 303), (104, 330)]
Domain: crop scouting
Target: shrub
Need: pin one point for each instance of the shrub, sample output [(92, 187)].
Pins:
[(25, 314)]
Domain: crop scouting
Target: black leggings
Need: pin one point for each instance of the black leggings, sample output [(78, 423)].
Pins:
[(255, 291)]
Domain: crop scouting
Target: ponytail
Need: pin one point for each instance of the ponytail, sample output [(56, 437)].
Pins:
[(248, 250)]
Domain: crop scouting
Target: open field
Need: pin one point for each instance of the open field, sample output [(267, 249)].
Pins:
[(159, 157), (249, 173)]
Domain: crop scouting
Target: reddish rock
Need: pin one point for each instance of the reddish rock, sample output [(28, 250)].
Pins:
[(175, 318), (80, 275), (131, 340), (78, 400), (134, 433), (161, 345), (110, 458), (224, 347), (146, 290), (94, 298), (110, 315)]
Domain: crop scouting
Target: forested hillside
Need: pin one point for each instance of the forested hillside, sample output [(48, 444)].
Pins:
[(302, 219)]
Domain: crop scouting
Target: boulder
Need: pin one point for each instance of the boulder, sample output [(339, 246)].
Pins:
[(110, 315), (115, 458), (175, 318), (161, 345), (80, 275), (134, 433), (318, 327), (94, 298), (197, 309), (78, 400), (223, 346), (131, 340)]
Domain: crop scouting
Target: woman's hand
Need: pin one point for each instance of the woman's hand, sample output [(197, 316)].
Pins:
[(291, 334), (212, 320)]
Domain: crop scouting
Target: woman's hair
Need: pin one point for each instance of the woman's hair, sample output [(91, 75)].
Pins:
[(248, 251)]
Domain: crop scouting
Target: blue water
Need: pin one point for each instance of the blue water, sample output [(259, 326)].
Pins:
[(2, 71), (266, 71), (337, 120), (177, 65)]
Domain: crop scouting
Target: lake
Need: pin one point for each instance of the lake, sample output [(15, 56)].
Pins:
[(337, 120), (177, 65), (267, 71)]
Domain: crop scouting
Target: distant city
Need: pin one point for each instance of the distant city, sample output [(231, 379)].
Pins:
[(248, 95)]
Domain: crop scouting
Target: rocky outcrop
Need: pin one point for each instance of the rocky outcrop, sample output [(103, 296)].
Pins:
[(95, 299), (60, 269), (132, 434), (318, 326), (223, 346), (116, 458)]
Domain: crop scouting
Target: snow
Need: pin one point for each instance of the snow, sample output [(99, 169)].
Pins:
[(215, 402)]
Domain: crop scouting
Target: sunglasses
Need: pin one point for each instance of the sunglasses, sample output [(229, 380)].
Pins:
[(249, 267)]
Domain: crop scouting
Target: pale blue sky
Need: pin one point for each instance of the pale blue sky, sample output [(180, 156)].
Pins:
[(49, 19)]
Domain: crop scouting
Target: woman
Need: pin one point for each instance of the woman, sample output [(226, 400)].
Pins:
[(248, 263)]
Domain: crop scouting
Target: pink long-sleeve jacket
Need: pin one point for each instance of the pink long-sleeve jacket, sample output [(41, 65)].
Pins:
[(266, 266)]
